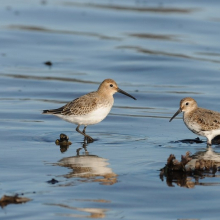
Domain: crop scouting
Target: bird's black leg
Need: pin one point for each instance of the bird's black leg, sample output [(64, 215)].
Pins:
[(87, 137), (84, 132), (84, 129)]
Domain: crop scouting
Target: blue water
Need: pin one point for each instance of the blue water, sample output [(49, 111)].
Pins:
[(159, 52)]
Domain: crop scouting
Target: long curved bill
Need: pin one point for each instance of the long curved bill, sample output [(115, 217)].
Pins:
[(177, 113), (125, 93)]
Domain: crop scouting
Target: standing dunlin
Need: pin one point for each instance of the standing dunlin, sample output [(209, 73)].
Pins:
[(91, 108), (200, 121)]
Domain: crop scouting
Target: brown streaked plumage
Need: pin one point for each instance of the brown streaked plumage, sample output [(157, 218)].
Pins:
[(200, 121), (90, 108)]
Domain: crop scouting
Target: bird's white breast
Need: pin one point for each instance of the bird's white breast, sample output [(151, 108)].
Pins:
[(92, 117), (197, 128)]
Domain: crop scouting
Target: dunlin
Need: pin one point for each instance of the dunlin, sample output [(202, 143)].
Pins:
[(91, 108), (200, 121)]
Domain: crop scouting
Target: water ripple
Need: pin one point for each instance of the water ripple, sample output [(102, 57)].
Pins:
[(136, 9), (47, 30)]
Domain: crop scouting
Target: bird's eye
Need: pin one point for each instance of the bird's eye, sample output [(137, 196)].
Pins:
[(187, 103), (111, 85)]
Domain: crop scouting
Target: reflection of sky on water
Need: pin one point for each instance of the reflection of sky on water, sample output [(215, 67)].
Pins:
[(159, 52)]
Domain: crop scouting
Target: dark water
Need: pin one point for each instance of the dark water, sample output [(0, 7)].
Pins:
[(157, 51)]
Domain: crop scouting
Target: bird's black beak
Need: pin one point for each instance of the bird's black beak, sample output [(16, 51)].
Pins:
[(125, 93), (179, 111)]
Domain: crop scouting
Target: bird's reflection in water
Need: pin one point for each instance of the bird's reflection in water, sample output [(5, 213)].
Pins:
[(90, 168), (203, 164), (93, 212)]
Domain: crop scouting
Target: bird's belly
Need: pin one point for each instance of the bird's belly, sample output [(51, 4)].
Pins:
[(92, 117), (196, 128), (212, 133)]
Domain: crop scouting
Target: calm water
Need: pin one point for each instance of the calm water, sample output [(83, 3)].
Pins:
[(158, 52)]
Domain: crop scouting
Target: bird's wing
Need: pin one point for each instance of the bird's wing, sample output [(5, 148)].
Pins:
[(79, 106), (209, 119)]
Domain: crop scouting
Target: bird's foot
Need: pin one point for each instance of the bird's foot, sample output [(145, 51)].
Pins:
[(89, 139)]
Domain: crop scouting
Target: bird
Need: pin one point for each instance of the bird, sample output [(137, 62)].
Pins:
[(201, 121), (89, 109)]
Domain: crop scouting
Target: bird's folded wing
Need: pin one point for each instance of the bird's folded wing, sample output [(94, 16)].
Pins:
[(80, 106), (209, 119)]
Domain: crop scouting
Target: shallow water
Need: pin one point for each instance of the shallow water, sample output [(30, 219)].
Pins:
[(157, 52)]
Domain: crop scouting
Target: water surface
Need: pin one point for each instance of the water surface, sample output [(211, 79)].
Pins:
[(157, 52)]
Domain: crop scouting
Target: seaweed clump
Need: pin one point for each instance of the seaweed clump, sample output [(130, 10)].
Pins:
[(188, 171), (63, 142)]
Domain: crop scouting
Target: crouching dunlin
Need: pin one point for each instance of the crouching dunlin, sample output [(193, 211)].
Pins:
[(91, 108), (200, 121)]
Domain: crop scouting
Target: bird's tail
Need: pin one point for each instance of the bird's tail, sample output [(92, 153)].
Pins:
[(45, 112), (53, 111)]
